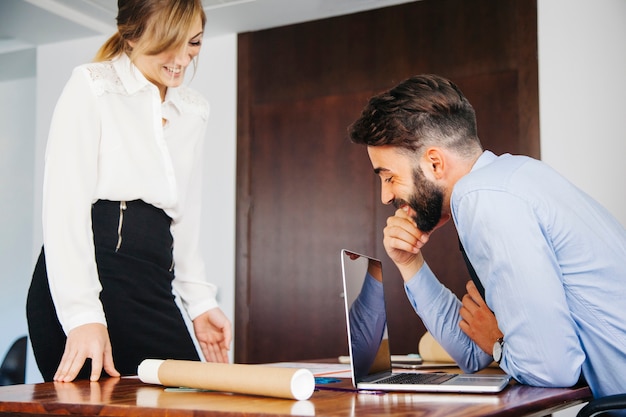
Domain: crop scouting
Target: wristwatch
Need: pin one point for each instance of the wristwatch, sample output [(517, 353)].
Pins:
[(497, 350)]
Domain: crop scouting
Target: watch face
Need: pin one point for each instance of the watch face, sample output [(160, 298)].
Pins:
[(497, 350)]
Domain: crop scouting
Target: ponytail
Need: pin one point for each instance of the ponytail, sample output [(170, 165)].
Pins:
[(114, 46)]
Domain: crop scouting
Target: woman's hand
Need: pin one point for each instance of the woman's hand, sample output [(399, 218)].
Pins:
[(214, 334), (86, 341)]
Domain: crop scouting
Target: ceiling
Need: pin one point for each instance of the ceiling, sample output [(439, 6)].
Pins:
[(25, 24)]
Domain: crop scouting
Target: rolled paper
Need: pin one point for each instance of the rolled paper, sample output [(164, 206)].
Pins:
[(431, 351), (271, 381)]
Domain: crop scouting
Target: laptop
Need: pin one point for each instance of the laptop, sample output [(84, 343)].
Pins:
[(368, 345)]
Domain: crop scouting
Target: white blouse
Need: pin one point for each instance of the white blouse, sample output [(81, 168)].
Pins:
[(107, 141)]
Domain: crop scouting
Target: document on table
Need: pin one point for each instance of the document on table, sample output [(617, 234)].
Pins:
[(337, 370)]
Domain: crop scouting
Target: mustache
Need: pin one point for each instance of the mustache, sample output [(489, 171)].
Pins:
[(398, 202)]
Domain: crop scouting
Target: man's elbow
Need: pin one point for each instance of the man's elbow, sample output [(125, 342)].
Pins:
[(548, 378)]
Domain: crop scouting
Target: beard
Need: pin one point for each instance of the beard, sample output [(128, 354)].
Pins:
[(426, 201)]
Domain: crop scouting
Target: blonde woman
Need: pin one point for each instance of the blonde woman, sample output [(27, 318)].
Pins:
[(121, 206)]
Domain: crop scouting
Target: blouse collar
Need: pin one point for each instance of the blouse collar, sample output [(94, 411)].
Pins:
[(134, 81)]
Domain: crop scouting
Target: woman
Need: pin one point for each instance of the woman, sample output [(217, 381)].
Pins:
[(121, 206)]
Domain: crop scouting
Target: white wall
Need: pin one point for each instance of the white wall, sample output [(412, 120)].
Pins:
[(17, 132), (582, 90)]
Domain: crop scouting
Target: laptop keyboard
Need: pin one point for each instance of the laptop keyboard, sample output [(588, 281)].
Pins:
[(410, 378)]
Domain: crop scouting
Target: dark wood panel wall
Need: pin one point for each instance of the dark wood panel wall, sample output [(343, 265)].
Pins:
[(304, 191)]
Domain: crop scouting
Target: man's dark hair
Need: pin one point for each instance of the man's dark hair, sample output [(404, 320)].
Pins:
[(424, 110)]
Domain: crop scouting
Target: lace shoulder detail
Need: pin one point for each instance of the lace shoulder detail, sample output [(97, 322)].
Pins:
[(104, 78), (193, 102)]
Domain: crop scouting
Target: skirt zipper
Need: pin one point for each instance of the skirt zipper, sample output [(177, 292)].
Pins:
[(119, 225), (173, 263)]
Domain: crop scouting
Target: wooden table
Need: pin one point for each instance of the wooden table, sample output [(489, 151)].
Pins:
[(131, 397)]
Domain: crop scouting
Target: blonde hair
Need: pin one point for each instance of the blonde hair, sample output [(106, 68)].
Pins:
[(153, 25)]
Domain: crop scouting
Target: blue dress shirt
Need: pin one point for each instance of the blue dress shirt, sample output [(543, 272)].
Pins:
[(553, 264)]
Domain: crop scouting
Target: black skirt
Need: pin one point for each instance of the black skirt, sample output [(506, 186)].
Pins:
[(135, 268)]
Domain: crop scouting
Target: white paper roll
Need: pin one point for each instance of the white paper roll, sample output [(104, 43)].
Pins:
[(271, 381), (148, 371)]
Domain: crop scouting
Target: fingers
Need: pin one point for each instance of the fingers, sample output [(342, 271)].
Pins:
[(98, 362), (466, 328), (215, 352), (403, 242), (228, 337), (210, 353), (219, 353), (472, 291), (405, 215), (96, 368), (70, 365), (225, 345), (68, 371), (87, 341), (219, 346), (472, 302), (401, 233), (214, 333), (222, 346), (109, 366), (478, 321), (468, 308)]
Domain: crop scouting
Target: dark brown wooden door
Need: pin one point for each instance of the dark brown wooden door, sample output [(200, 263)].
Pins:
[(304, 191)]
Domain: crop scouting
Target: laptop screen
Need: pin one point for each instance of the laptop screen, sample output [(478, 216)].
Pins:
[(365, 315)]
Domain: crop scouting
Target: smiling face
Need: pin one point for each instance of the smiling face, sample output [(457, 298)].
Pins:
[(167, 68), (404, 184)]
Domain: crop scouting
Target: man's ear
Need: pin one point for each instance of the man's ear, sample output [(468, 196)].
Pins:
[(435, 160)]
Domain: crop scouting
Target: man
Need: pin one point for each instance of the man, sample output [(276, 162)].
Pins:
[(552, 260)]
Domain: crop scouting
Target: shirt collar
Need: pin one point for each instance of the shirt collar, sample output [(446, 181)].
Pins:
[(132, 79), (485, 159), (172, 96)]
